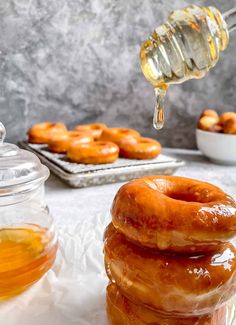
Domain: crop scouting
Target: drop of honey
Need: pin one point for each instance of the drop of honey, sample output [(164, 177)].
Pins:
[(159, 116)]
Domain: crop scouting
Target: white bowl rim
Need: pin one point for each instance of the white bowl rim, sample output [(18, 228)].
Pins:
[(215, 133)]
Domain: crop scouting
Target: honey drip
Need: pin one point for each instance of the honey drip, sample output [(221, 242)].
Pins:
[(187, 46), (25, 255), (159, 115)]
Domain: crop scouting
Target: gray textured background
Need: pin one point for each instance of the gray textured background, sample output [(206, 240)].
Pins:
[(78, 61)]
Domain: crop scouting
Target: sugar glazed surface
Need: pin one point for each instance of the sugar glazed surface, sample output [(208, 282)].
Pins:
[(166, 262)]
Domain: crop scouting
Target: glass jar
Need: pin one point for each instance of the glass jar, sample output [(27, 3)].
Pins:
[(28, 243)]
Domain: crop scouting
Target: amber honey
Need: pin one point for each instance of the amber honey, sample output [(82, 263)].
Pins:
[(25, 255)]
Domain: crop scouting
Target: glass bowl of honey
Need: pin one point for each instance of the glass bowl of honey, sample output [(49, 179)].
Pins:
[(28, 243)]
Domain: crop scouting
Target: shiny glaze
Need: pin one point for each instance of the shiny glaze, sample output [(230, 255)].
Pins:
[(175, 214), (139, 148), (42, 133), (95, 129), (60, 143), (121, 311), (117, 135), (172, 284), (98, 152)]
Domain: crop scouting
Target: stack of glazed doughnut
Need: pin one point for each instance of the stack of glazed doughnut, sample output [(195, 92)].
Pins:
[(167, 253), (94, 143), (211, 121)]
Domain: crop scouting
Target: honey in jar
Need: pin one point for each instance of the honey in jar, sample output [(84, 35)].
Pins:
[(28, 243)]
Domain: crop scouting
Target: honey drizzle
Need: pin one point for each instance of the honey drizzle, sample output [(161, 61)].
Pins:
[(183, 48)]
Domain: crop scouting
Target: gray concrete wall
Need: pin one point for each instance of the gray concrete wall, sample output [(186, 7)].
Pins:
[(78, 61)]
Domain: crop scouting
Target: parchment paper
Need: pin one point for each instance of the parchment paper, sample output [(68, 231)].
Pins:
[(73, 292)]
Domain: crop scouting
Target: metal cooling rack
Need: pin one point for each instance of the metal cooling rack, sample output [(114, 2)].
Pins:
[(81, 175)]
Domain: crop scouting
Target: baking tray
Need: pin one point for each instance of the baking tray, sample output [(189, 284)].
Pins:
[(81, 175)]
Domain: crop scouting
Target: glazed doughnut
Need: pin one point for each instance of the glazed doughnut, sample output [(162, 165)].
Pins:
[(226, 116), (211, 113), (229, 127), (117, 135), (95, 129), (139, 148), (42, 133), (122, 311), (60, 143), (174, 213), (175, 285), (99, 152), (206, 123)]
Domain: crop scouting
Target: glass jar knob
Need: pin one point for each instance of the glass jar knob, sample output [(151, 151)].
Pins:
[(2, 133), (6, 149)]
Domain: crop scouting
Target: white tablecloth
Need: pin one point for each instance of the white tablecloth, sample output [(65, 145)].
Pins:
[(73, 292)]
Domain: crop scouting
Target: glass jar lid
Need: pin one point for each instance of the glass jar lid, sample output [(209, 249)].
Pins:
[(18, 167)]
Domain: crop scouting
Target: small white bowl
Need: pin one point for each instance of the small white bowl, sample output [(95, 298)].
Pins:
[(219, 147)]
